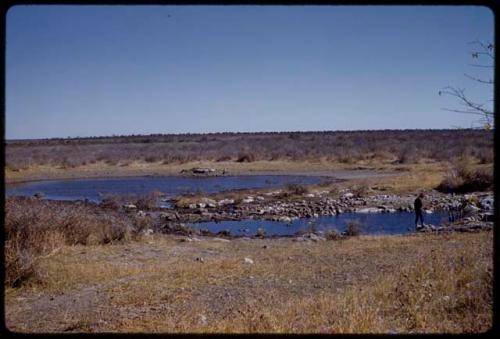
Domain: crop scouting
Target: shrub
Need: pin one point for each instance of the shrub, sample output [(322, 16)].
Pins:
[(462, 178), (297, 189), (354, 228), (333, 234), (35, 228), (246, 157), (260, 232)]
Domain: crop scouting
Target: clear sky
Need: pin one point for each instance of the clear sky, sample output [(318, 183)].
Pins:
[(104, 70)]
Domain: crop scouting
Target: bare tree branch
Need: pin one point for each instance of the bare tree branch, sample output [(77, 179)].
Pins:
[(481, 49)]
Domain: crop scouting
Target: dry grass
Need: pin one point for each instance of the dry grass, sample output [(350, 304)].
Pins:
[(366, 284), (36, 228)]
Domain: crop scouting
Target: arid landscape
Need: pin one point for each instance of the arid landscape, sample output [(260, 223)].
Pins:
[(124, 264), (242, 169)]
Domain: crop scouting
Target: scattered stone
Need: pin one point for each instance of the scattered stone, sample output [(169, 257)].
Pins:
[(129, 206), (200, 259), (248, 261)]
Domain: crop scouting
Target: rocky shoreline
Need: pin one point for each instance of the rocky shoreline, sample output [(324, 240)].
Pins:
[(467, 212)]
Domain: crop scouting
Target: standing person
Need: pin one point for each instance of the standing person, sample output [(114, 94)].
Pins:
[(418, 210)]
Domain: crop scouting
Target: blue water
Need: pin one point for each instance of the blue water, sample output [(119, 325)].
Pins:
[(371, 223), (96, 189)]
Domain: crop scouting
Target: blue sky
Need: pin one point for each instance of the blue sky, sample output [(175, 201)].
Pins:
[(104, 70)]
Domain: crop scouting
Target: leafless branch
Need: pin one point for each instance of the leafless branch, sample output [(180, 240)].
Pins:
[(481, 49), (489, 82)]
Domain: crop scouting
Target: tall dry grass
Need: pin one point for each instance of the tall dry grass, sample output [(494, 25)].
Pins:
[(35, 228), (463, 177)]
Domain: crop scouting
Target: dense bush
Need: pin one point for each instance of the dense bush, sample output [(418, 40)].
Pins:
[(462, 178), (35, 228)]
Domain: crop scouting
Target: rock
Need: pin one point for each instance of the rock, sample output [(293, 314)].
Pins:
[(285, 219), (200, 259), (202, 170), (428, 211), (247, 200), (147, 232), (141, 214), (39, 195), (192, 206), (203, 319), (309, 195), (487, 203), (260, 198), (225, 202), (248, 261), (315, 237), (221, 240), (347, 195), (471, 209), (201, 205), (129, 206), (369, 210)]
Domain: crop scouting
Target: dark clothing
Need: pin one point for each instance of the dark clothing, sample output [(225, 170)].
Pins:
[(418, 204), (419, 215), (418, 211)]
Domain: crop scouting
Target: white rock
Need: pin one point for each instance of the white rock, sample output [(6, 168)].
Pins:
[(221, 240), (225, 202), (248, 261), (130, 206), (347, 195), (369, 210), (147, 232), (285, 219)]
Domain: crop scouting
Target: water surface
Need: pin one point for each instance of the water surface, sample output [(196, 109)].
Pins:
[(96, 189), (371, 223)]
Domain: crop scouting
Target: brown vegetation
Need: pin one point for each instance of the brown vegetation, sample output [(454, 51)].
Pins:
[(409, 284), (36, 228), (400, 146), (464, 178)]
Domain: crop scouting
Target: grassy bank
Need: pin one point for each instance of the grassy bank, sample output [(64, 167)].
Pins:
[(366, 284)]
